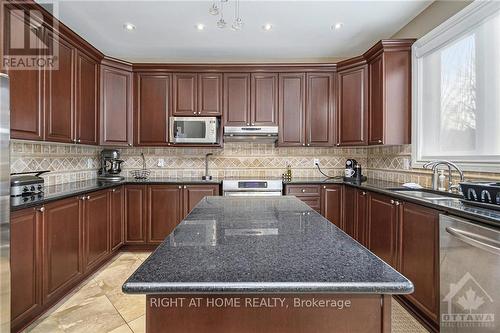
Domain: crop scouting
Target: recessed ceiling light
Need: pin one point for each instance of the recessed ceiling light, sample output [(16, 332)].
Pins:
[(200, 26), (129, 26), (337, 26), (267, 27)]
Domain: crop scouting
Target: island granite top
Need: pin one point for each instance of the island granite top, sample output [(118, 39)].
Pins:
[(262, 245)]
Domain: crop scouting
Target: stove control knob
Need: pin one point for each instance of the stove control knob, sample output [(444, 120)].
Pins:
[(39, 187), (32, 188), (25, 189)]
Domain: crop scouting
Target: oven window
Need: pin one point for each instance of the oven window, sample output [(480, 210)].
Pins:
[(190, 129)]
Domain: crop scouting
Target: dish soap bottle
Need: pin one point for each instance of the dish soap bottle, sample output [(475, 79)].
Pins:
[(441, 180)]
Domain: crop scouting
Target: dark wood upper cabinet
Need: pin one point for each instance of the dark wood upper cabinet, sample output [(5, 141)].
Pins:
[(135, 214), (184, 94), (59, 95), (389, 64), (193, 194), (152, 109), (237, 99), (116, 106), (87, 99), (210, 94), (292, 96), (164, 211), (26, 104), (62, 247), (331, 204), (264, 99), (25, 261), (95, 228), (418, 256), (382, 224), (352, 106), (320, 109)]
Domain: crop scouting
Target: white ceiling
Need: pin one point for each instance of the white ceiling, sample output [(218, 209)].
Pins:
[(301, 29)]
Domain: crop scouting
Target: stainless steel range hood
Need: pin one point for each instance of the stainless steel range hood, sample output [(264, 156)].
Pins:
[(264, 134)]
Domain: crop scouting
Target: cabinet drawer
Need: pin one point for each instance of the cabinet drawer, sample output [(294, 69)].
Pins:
[(303, 190), (313, 202)]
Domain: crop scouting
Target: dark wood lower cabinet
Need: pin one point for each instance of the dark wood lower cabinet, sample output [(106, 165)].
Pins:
[(308, 193), (382, 224), (164, 211), (62, 247), (193, 194), (116, 225), (135, 214), (418, 257), (96, 228), (331, 204), (25, 258)]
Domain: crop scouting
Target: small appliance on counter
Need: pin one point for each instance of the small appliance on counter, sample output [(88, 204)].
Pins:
[(353, 171), (485, 194), (26, 184), (110, 166)]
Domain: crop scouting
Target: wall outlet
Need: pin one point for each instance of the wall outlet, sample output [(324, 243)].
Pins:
[(316, 161), (161, 162), (89, 163), (407, 164)]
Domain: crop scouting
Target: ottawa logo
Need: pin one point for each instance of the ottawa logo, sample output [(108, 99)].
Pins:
[(468, 305)]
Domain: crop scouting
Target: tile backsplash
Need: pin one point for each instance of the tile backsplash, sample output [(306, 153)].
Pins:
[(68, 162)]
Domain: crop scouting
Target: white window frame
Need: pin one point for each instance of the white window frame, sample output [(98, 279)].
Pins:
[(456, 26)]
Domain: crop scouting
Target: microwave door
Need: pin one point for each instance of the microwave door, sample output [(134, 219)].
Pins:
[(189, 131)]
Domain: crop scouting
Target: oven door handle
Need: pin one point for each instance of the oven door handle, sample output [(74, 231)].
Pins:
[(484, 243)]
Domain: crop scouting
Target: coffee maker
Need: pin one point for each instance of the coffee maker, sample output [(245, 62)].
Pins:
[(352, 171), (110, 166)]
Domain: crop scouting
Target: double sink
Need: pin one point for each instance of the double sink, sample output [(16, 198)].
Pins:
[(427, 195)]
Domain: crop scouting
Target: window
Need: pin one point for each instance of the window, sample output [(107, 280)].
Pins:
[(456, 80)]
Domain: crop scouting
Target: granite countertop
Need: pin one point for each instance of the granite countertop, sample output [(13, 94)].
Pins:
[(261, 245), (452, 206)]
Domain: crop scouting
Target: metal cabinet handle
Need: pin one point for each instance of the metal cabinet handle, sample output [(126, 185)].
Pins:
[(130, 145), (82, 198), (41, 209), (308, 144), (398, 203), (185, 186), (484, 243), (393, 202), (324, 186), (113, 190), (379, 141), (338, 144), (253, 124), (363, 193), (303, 190), (74, 140), (248, 124), (303, 144), (79, 140), (180, 187), (88, 197)]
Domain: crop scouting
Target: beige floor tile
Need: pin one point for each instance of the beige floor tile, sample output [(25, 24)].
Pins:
[(47, 325), (122, 329), (143, 255), (130, 307), (403, 322), (138, 325)]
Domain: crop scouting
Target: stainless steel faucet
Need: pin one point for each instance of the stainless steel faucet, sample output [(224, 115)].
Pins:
[(206, 176), (435, 177)]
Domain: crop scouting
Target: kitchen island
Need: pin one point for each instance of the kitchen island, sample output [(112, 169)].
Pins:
[(268, 264)]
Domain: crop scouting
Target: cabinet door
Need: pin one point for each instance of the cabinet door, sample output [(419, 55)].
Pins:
[(184, 94), (164, 211), (25, 259), (26, 104), (87, 110), (116, 107), (291, 109), (331, 204), (309, 194), (419, 255), (382, 223), (237, 99), (361, 217), (62, 248), (135, 214), (349, 211), (319, 111), (264, 99), (152, 109), (352, 107), (96, 228), (376, 96), (193, 194), (59, 95), (210, 94), (116, 218)]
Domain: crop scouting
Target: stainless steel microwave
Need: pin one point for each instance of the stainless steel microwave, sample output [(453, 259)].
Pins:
[(193, 129)]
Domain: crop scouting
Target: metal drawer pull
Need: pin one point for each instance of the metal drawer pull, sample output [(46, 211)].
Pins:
[(303, 190), (392, 202), (478, 241), (41, 209)]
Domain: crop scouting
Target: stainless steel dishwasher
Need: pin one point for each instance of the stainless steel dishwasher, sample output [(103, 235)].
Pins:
[(470, 276)]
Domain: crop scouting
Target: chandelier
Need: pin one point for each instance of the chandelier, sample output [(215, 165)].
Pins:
[(217, 8)]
